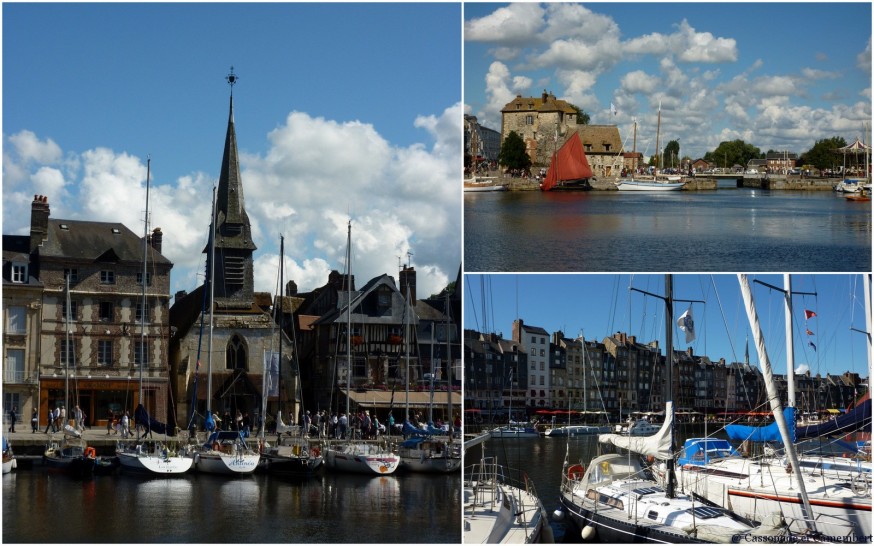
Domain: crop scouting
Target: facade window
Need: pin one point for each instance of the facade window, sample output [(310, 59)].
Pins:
[(14, 370), (15, 319), (139, 313), (533, 351), (19, 273), (72, 273), (12, 400), (104, 352), (68, 358), (141, 354), (533, 340), (107, 277), (107, 310), (148, 279), (235, 354), (74, 311), (542, 369), (529, 120)]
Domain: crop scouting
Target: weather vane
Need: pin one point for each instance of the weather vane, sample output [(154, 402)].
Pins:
[(231, 78)]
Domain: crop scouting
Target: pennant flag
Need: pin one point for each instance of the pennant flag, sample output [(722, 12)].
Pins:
[(812, 345), (198, 364), (809, 332), (612, 109), (687, 325), (808, 313)]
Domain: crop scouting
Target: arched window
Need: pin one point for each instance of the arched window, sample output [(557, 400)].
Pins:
[(236, 354)]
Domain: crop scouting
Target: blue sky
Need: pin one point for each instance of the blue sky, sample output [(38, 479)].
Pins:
[(340, 110), (601, 305), (779, 76)]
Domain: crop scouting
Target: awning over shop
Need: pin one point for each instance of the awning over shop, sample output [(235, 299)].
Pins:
[(418, 400)]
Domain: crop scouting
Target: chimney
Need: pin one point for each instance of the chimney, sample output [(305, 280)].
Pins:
[(157, 239), (291, 288), (39, 221), (544, 96), (407, 277), (179, 295)]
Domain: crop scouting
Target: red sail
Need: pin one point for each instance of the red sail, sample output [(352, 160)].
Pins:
[(569, 163)]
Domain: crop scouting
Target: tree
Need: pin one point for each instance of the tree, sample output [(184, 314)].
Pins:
[(735, 152), (582, 117), (513, 153), (822, 155), (672, 150)]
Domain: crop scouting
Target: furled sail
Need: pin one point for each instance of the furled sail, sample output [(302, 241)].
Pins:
[(569, 163), (142, 418), (658, 445)]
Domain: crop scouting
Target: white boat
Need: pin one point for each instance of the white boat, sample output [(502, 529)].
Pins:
[(435, 454), (656, 184), (576, 430), (810, 499), (152, 457), (483, 184), (616, 500), (498, 509), (514, 431), (226, 452), (149, 456), (641, 427), (292, 456), (357, 455), (9, 462)]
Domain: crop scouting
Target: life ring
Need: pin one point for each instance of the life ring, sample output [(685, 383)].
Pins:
[(575, 472), (215, 446), (90, 453), (316, 451)]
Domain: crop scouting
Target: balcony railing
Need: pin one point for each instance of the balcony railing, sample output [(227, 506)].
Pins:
[(13, 376)]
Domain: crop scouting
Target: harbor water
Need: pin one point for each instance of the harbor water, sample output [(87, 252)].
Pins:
[(723, 230), (50, 508)]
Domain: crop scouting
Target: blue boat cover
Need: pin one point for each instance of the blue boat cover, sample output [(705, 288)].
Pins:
[(700, 451), (409, 430), (858, 418), (768, 433), (141, 417), (209, 422)]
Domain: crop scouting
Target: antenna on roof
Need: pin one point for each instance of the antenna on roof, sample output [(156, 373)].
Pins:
[(231, 78)]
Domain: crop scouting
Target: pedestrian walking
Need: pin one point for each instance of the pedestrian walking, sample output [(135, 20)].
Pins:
[(34, 421), (12, 417), (125, 425), (50, 422), (109, 419)]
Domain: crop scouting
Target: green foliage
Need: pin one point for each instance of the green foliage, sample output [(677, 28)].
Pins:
[(672, 150), (823, 155), (582, 117), (513, 153), (735, 152)]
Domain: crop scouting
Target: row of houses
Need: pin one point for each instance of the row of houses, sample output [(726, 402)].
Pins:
[(619, 375), (88, 321)]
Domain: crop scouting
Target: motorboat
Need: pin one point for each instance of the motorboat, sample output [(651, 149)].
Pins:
[(71, 455), (481, 184), (515, 431), (9, 462), (152, 457), (361, 457)]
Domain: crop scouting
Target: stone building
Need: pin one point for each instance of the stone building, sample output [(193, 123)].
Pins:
[(230, 376), (545, 123), (78, 331), (480, 142), (495, 377), (535, 341)]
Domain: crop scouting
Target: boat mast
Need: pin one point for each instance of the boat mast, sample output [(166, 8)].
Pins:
[(431, 398), (448, 371), (407, 347), (774, 398), (211, 309), (348, 317), (790, 341), (658, 130), (669, 369), (145, 271), (67, 356)]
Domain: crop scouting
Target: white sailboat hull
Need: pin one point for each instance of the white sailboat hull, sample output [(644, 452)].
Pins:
[(221, 463), (361, 459), (758, 489), (154, 464), (648, 185), (8, 466)]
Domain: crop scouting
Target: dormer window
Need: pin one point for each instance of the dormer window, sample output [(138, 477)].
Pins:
[(73, 275), (64, 227), (116, 231), (107, 277), (19, 273)]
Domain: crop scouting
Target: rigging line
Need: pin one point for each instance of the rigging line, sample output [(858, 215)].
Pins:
[(472, 307)]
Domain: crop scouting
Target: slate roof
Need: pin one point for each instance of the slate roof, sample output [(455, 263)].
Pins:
[(90, 241)]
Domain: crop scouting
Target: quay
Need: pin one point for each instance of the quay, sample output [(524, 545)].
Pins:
[(700, 182), (29, 446)]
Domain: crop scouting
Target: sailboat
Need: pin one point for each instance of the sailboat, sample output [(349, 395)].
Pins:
[(657, 182), (809, 499), (357, 455), (616, 500), (293, 454), (569, 168), (69, 453), (513, 429), (9, 462), (152, 457), (431, 451), (225, 451)]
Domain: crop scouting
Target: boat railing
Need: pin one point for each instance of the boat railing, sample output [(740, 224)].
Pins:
[(487, 478)]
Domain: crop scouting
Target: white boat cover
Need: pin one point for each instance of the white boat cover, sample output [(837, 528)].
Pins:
[(658, 445)]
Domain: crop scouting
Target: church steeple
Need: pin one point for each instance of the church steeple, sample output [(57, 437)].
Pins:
[(234, 278)]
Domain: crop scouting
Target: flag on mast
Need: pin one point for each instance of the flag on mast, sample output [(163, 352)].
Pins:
[(687, 325)]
